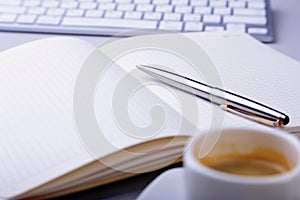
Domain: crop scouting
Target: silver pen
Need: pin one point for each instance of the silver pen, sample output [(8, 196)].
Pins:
[(228, 101)]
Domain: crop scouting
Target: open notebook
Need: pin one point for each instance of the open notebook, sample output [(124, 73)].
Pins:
[(45, 153)]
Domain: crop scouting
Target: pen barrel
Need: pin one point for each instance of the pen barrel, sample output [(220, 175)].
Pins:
[(236, 104), (230, 102), (248, 108)]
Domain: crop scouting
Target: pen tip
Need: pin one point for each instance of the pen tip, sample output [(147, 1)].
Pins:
[(140, 66), (144, 68), (285, 120)]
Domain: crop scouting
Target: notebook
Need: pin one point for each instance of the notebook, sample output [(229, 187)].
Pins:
[(53, 97)]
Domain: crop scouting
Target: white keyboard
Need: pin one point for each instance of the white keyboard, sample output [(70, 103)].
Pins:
[(110, 17)]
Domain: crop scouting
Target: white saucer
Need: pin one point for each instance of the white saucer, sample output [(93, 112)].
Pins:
[(169, 185)]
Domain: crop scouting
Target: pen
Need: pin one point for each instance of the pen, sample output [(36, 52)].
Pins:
[(228, 101)]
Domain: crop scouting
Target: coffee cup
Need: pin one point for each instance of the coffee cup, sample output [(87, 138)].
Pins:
[(244, 164)]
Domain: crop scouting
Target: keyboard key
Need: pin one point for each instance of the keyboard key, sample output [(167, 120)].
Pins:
[(69, 4), (49, 20), (123, 1), (56, 11), (258, 31), (193, 26), (170, 25), (104, 1), (145, 7), (113, 14), (179, 2), (172, 16), (211, 18), (236, 27), (36, 10), (94, 13), (214, 28), (133, 15), (31, 3), (243, 11), (7, 17), (245, 19), (12, 9), (141, 1), (50, 4), (199, 2), (10, 2), (153, 15), (163, 8), (237, 4), (183, 9), (125, 7), (107, 6), (256, 4), (87, 5), (202, 10), (26, 19), (214, 3), (191, 17), (156, 2), (75, 12), (106, 22), (222, 11)]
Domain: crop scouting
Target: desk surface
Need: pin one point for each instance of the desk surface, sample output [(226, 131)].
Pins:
[(287, 33)]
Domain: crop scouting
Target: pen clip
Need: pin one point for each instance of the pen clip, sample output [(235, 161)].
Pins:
[(264, 119)]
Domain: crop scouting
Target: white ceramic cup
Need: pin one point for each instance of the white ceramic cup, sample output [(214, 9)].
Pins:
[(205, 183)]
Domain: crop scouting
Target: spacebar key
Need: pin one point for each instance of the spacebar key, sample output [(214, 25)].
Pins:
[(113, 23)]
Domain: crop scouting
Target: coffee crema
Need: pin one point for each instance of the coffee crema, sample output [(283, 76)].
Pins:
[(261, 162)]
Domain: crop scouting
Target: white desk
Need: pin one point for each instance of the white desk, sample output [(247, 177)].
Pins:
[(287, 27), (287, 32)]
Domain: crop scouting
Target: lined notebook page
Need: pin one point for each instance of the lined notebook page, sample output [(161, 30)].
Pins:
[(148, 94), (254, 70), (38, 141), (245, 66)]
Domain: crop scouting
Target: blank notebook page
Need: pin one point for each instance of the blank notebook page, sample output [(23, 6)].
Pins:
[(38, 141)]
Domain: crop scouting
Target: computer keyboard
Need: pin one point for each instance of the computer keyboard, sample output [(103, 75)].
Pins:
[(131, 17)]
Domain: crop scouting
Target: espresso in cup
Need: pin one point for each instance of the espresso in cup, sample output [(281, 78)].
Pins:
[(260, 164), (256, 163)]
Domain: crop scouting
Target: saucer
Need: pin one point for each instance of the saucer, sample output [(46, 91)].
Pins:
[(168, 185)]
